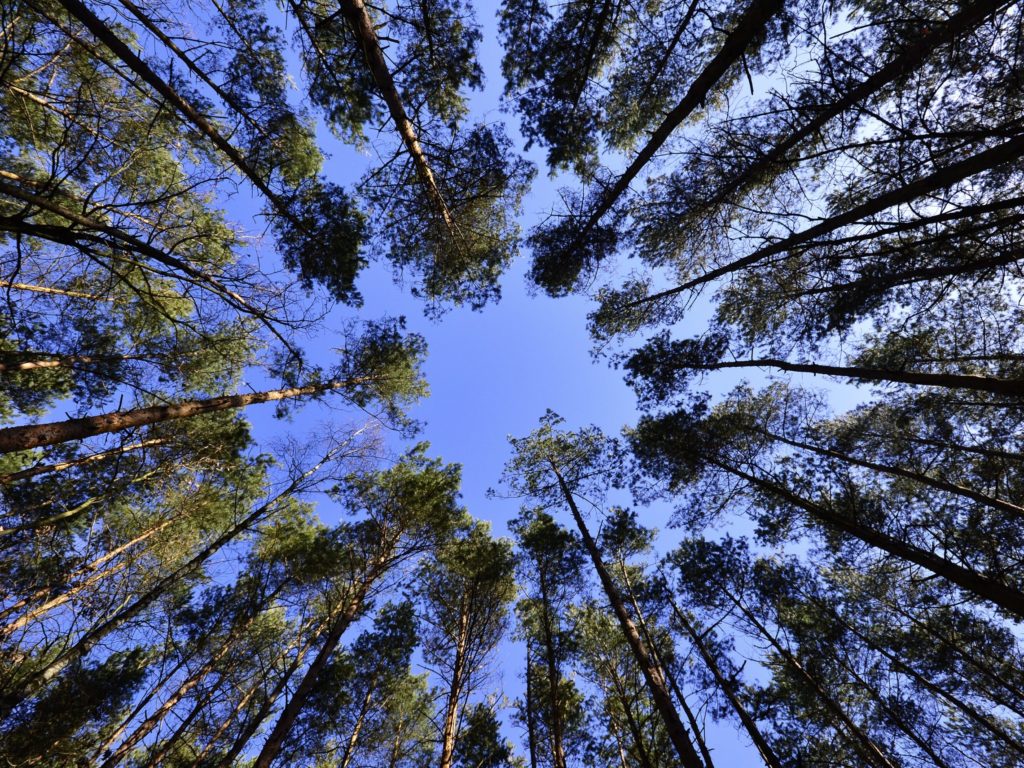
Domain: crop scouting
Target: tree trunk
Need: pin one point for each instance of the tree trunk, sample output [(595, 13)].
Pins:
[(747, 28), (865, 742), (44, 469), (119, 48), (94, 635), (51, 291), (669, 677), (557, 738), (451, 714), (297, 702), (912, 55), (918, 477), (727, 687), (353, 739), (362, 28), (653, 674), (531, 728), (941, 178), (985, 587), (1008, 387), (30, 436)]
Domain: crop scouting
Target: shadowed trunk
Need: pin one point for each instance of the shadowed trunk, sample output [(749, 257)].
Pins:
[(653, 674)]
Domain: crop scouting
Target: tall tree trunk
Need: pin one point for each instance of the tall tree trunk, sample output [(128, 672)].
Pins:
[(449, 727), (913, 54), (728, 688), (941, 178), (653, 674), (45, 469), (49, 290), (531, 728), (918, 477), (88, 640), (71, 592), (361, 24), (341, 622), (353, 739), (659, 660), (869, 748), (985, 587), (748, 27), (1009, 387), (554, 676), (37, 435)]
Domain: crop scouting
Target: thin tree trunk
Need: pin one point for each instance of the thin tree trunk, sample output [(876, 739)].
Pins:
[(967, 710), (56, 602), (70, 514), (941, 178), (119, 48), (634, 728), (222, 649), (59, 599), (451, 714), (94, 635), (931, 38), (727, 687), (865, 742), (557, 739), (747, 28), (969, 659), (1009, 387), (653, 674), (353, 739), (52, 291), (38, 435), (894, 717), (44, 469), (157, 757), (56, 361), (985, 587), (531, 729), (361, 24), (918, 477), (265, 708), (154, 28), (673, 684), (297, 702), (119, 239)]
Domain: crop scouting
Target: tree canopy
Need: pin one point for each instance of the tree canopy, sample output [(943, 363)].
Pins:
[(796, 229)]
